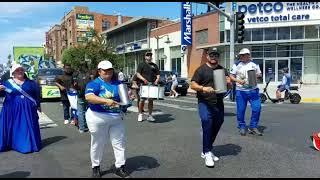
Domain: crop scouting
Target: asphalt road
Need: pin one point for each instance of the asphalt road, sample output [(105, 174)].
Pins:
[(171, 146)]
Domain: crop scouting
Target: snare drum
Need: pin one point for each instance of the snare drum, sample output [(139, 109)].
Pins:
[(152, 92)]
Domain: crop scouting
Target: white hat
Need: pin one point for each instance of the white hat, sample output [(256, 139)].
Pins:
[(105, 65), (15, 67), (244, 51)]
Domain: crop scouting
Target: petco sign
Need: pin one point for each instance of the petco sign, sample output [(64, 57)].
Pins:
[(279, 12)]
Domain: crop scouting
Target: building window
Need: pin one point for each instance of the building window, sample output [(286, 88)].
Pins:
[(129, 35), (175, 53), (257, 51), (160, 58), (202, 37), (297, 50), (221, 36), (70, 34), (270, 34), (297, 32), (283, 51), (69, 22), (247, 34), (258, 34), (283, 33), (141, 32), (105, 25), (311, 32), (269, 51)]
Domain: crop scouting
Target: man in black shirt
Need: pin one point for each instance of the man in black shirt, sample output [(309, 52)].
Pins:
[(64, 82), (210, 104), (81, 78), (147, 72)]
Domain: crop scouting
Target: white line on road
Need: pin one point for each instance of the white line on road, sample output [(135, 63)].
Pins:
[(45, 121)]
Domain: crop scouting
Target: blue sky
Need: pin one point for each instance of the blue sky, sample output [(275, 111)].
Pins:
[(25, 23)]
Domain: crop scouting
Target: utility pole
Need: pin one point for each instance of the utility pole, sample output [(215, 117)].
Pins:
[(230, 18)]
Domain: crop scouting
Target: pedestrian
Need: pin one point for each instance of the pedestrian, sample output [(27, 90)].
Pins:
[(147, 73), (81, 79), (105, 119), (285, 84), (64, 82), (245, 93), (120, 76), (174, 85), (19, 120), (135, 87), (210, 104)]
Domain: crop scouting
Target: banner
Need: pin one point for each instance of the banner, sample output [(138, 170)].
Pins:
[(84, 22), (186, 24), (29, 58)]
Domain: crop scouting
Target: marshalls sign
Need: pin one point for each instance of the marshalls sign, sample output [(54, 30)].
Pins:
[(186, 25)]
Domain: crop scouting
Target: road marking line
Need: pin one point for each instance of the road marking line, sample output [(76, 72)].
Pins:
[(45, 121)]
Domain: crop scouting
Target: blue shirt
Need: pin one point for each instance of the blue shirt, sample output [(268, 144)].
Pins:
[(106, 90)]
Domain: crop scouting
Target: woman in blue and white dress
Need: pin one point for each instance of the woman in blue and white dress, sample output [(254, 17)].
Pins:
[(19, 120)]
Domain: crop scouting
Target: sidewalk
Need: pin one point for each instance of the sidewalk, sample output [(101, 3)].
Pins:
[(308, 93)]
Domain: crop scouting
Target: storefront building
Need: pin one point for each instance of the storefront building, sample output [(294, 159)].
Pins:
[(279, 34)]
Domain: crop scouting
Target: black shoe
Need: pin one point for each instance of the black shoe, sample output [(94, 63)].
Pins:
[(96, 172), (255, 131), (121, 172), (242, 132)]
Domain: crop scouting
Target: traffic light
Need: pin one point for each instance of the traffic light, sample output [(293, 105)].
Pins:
[(239, 20)]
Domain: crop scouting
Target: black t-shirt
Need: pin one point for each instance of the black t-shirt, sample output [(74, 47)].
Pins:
[(204, 77), (66, 81), (149, 71), (81, 79)]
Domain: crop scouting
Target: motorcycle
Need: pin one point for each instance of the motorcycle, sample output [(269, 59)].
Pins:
[(293, 97)]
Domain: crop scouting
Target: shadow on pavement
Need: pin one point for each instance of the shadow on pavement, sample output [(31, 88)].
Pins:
[(138, 163), (229, 114), (227, 150), (51, 140), (163, 118), (17, 174), (262, 128)]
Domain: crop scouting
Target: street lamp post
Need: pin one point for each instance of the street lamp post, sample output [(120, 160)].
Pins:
[(167, 42)]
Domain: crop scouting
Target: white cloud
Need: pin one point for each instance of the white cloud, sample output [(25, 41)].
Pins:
[(23, 37), (10, 10)]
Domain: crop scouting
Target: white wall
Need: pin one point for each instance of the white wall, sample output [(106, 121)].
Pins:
[(175, 39)]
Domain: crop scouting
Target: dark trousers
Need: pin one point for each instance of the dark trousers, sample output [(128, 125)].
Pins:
[(212, 117), (82, 108), (66, 109)]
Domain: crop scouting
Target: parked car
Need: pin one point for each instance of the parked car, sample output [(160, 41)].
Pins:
[(182, 87), (46, 80)]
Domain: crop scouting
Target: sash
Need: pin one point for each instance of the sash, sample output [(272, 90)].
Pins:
[(14, 85)]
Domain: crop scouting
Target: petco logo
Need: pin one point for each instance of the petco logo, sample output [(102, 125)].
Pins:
[(261, 8)]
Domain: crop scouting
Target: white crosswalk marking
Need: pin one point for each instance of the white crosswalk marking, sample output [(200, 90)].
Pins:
[(45, 121)]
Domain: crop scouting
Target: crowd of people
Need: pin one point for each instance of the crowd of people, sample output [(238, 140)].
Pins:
[(98, 109)]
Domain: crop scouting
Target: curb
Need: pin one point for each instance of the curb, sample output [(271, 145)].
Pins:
[(310, 100)]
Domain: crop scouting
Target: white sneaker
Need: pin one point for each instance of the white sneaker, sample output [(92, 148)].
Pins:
[(140, 117), (208, 159), (150, 118), (215, 158), (66, 121)]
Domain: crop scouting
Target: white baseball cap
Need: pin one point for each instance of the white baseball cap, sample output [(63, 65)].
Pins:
[(244, 51), (105, 65)]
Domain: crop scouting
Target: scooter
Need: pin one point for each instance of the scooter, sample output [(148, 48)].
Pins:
[(294, 98)]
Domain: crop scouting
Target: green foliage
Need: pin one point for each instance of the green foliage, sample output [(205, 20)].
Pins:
[(94, 50)]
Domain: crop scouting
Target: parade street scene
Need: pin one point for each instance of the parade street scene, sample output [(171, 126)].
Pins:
[(159, 90)]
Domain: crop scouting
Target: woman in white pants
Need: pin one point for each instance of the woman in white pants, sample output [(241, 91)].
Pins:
[(104, 119)]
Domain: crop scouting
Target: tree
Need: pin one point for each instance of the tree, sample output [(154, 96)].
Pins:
[(95, 49)]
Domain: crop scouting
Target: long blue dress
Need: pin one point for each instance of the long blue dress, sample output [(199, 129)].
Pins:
[(19, 120)]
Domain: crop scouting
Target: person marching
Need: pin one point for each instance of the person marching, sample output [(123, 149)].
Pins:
[(19, 120), (147, 72), (105, 119), (245, 93), (210, 104)]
